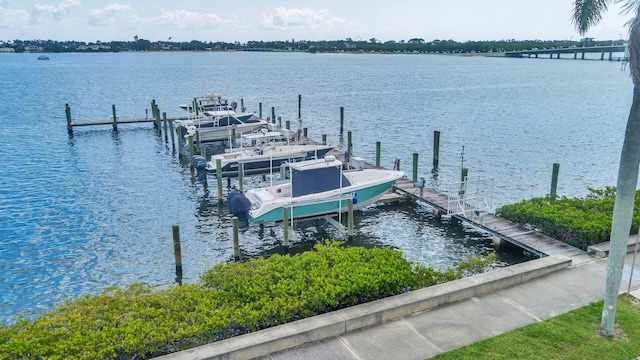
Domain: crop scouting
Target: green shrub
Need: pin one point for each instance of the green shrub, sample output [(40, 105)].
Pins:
[(578, 222), (233, 298)]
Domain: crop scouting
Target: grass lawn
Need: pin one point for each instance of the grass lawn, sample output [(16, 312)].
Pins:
[(573, 335)]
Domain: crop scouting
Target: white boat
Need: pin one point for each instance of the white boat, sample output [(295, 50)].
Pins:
[(219, 128), (266, 154), (210, 102), (317, 187)]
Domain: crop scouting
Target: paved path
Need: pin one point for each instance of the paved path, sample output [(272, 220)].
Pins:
[(457, 324)]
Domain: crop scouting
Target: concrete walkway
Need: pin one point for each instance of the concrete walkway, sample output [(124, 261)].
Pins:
[(426, 322)]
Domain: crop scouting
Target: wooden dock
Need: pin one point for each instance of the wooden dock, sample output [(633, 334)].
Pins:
[(502, 230)]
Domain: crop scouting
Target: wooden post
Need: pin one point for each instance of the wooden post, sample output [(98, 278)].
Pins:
[(304, 132), (324, 139), (377, 153), (288, 124), (236, 242), (341, 118), (260, 112), (240, 176), (153, 112), (67, 111), (554, 181), (273, 115), (115, 119), (299, 107), (219, 178), (177, 253), (279, 122), (285, 225), (415, 167), (350, 221), (173, 144), (242, 104), (203, 151), (349, 143), (436, 148), (191, 151), (180, 139), (164, 120)]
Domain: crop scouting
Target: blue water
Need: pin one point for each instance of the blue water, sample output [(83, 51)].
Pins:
[(80, 213)]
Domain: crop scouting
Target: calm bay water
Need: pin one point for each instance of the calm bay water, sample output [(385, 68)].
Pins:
[(81, 213)]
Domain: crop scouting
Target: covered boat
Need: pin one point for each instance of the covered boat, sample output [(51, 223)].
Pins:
[(319, 187)]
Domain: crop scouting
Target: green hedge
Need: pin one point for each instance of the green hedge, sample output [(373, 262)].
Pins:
[(231, 299), (578, 222)]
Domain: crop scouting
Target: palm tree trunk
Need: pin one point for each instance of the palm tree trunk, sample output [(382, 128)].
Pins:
[(622, 214)]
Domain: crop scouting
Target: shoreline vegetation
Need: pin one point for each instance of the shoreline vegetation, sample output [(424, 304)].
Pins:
[(348, 45), (139, 322)]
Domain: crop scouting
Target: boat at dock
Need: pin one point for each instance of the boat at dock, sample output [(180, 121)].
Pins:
[(267, 152), (317, 187), (219, 128), (209, 102)]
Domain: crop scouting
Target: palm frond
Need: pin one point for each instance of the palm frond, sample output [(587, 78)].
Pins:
[(587, 13), (629, 6)]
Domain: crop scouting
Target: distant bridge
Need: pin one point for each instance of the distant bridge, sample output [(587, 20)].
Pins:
[(555, 53)]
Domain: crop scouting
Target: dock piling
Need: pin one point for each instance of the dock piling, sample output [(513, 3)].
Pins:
[(285, 225), (164, 120), (240, 176), (436, 148), (324, 139), (415, 167), (260, 110), (341, 119), (236, 242), (177, 253), (219, 178), (554, 181), (273, 115), (173, 144), (115, 118), (349, 143), (67, 111), (350, 221), (378, 153), (299, 107)]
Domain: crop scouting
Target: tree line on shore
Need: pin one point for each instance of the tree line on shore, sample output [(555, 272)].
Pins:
[(415, 45)]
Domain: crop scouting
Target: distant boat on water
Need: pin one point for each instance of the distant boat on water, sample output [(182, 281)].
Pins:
[(43, 57)]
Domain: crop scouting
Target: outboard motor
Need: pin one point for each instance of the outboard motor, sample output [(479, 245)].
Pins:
[(200, 164), (239, 206)]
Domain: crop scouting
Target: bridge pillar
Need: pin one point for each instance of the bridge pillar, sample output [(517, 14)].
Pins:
[(551, 56), (575, 55), (610, 55), (602, 55), (583, 55)]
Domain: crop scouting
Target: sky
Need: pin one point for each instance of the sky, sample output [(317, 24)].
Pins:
[(269, 20)]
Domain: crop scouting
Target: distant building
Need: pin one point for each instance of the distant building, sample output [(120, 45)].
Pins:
[(94, 47), (33, 49), (7, 50)]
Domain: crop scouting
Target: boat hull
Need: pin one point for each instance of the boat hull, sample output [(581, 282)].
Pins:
[(306, 206), (264, 165)]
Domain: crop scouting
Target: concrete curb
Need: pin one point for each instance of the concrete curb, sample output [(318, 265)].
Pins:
[(602, 250), (264, 342)]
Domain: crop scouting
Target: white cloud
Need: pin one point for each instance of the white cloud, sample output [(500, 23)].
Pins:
[(56, 12), (12, 18), (183, 19), (113, 14), (307, 18)]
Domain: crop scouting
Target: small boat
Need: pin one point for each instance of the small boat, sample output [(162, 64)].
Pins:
[(210, 102), (266, 155), (43, 57), (219, 128), (317, 187)]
